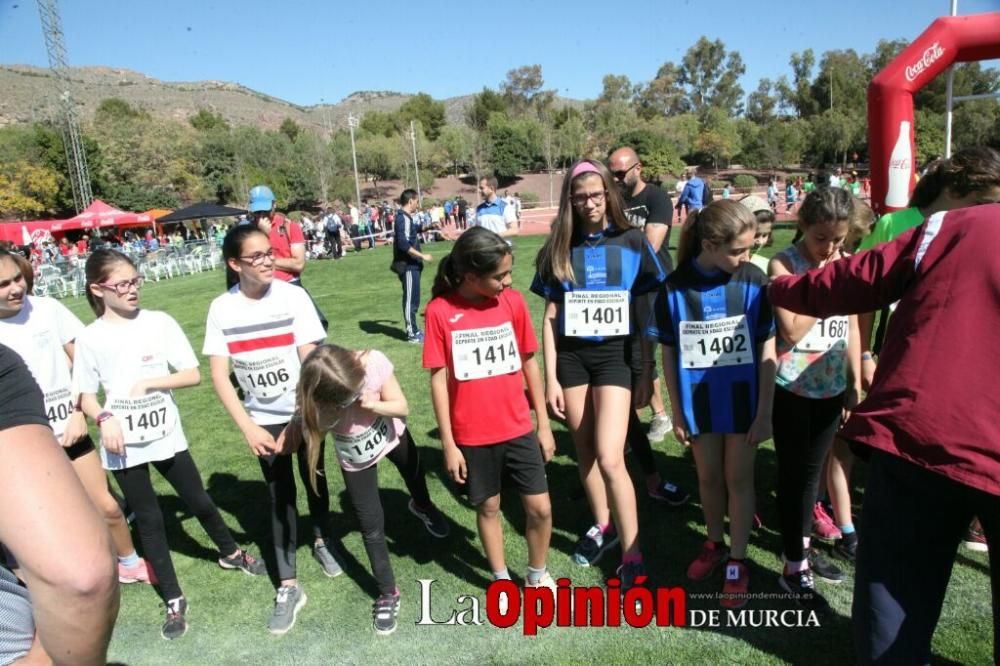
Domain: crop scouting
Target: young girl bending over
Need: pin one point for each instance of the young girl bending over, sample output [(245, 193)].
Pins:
[(480, 348), (130, 352), (717, 330), (355, 395)]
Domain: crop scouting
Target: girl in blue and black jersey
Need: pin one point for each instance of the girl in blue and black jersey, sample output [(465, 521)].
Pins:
[(589, 270), (717, 329)]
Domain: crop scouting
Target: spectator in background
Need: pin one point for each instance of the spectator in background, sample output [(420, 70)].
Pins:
[(494, 213), (463, 208), (408, 262), (693, 194), (82, 246), (448, 206)]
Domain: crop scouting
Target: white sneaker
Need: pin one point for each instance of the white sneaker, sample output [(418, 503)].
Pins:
[(659, 427), (546, 581)]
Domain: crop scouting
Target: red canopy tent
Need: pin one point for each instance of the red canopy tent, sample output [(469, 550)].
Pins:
[(97, 215)]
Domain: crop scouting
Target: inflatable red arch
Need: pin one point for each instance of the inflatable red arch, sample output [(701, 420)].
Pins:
[(948, 40)]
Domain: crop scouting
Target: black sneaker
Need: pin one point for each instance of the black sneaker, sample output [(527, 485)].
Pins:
[(628, 573), (175, 625), (593, 544), (846, 547), (245, 562), (823, 568), (669, 493), (803, 590), (384, 613), (433, 520)]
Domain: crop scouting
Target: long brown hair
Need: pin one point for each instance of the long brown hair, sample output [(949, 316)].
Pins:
[(966, 171), (553, 261), (478, 250), (330, 375), (100, 264), (719, 222)]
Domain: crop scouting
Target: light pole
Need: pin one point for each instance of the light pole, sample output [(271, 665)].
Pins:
[(416, 167), (353, 122)]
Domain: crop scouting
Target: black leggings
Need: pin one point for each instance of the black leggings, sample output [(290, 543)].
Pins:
[(280, 480), (803, 434), (181, 472), (638, 441), (362, 487)]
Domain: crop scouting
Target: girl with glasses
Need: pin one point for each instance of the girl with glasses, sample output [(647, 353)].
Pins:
[(139, 357), (590, 269), (264, 327)]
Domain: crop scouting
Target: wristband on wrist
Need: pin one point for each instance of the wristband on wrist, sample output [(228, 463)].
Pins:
[(867, 356), (102, 417)]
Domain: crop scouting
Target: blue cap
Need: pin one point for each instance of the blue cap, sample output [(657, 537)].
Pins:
[(261, 199)]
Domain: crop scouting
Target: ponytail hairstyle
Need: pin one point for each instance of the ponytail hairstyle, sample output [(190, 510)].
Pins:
[(553, 261), (719, 222), (330, 375), (965, 172), (232, 248), (100, 265), (478, 250), (826, 204), (23, 265)]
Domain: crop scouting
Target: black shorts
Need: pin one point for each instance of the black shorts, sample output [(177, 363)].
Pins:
[(81, 448), (519, 458), (581, 362)]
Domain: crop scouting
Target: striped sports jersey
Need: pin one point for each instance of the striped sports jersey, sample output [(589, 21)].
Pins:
[(713, 324), (619, 264)]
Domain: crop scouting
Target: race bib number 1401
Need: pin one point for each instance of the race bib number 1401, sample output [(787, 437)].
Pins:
[(597, 313)]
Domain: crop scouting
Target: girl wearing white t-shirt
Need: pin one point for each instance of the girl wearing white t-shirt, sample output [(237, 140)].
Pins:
[(265, 327), (42, 331), (138, 357)]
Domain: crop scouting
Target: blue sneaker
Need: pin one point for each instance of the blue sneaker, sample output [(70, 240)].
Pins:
[(593, 544), (416, 339)]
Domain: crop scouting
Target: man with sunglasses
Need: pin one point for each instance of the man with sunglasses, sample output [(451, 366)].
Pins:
[(648, 208)]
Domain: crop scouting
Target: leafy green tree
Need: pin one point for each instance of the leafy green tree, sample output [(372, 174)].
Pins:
[(423, 109), (615, 89), (379, 123), (484, 105), (290, 128), (657, 153), (663, 96), (522, 91), (711, 75), (206, 121), (27, 190), (761, 103), (719, 137), (455, 142)]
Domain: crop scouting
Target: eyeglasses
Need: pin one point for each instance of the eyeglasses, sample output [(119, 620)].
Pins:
[(620, 175), (258, 258), (123, 287), (582, 198)]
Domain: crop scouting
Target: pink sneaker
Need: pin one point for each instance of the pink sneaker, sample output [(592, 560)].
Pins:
[(140, 573), (708, 559), (823, 527)]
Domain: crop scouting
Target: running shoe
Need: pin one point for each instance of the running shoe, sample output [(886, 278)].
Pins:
[(385, 612), (593, 545), (975, 540), (416, 339), (708, 559), (846, 548), (140, 573), (659, 426), (175, 625), (323, 554), (823, 568), (433, 520), (669, 493), (245, 562), (801, 587), (628, 573), (736, 585), (544, 581), (287, 604), (823, 527)]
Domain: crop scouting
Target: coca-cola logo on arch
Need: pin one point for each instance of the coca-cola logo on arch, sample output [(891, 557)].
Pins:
[(931, 54)]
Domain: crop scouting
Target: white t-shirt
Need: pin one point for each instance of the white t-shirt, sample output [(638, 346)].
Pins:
[(38, 333), (114, 356), (262, 337)]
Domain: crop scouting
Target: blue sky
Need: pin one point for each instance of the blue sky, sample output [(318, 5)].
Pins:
[(305, 52)]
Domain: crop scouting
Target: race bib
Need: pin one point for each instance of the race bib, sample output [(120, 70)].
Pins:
[(267, 378), (146, 419), (365, 446), (484, 352), (824, 334), (58, 409), (715, 343), (597, 313)]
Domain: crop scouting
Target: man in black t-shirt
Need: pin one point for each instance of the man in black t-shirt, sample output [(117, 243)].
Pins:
[(648, 208)]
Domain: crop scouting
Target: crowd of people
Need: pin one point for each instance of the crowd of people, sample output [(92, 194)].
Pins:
[(751, 350)]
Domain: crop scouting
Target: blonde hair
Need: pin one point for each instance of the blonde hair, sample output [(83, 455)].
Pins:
[(330, 375), (719, 222), (859, 225), (554, 260)]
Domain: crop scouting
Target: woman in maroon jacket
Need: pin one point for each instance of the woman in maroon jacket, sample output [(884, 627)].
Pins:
[(930, 422)]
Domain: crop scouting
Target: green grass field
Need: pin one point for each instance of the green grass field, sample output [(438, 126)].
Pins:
[(228, 611)]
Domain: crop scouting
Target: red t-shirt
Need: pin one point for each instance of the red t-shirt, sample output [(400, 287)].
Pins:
[(492, 409), (284, 234), (64, 249), (81, 246)]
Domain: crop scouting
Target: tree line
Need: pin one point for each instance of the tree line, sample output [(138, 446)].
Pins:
[(691, 112)]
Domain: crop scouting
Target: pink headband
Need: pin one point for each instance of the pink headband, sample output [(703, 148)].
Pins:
[(583, 167)]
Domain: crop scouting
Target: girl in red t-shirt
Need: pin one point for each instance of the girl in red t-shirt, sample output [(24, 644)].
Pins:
[(480, 348)]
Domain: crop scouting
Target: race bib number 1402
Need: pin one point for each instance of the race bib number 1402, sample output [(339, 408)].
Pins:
[(715, 343)]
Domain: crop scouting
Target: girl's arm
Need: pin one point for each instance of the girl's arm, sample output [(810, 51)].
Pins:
[(454, 461), (391, 400), (111, 430), (761, 429), (853, 363), (176, 380), (76, 427), (536, 395), (674, 392), (791, 327), (258, 439), (553, 391)]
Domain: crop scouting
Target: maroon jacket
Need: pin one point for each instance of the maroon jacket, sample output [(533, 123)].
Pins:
[(935, 399)]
